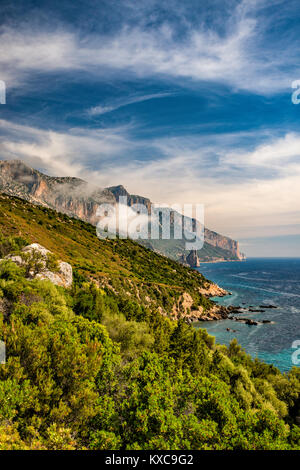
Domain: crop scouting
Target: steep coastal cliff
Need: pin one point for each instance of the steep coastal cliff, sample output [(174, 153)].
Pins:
[(77, 198)]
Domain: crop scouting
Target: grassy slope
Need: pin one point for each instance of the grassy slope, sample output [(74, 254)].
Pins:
[(124, 265)]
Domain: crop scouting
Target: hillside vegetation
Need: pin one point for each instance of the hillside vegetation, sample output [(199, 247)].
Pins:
[(103, 365), (123, 265)]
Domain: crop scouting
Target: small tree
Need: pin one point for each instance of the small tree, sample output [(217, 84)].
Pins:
[(34, 263), (52, 263)]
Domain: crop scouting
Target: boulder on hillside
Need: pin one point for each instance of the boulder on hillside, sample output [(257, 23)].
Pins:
[(36, 247), (40, 263)]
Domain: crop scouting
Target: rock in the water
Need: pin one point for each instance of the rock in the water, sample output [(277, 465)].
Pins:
[(192, 259), (268, 306), (251, 322)]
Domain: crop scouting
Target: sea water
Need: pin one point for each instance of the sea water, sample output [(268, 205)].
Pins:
[(255, 282)]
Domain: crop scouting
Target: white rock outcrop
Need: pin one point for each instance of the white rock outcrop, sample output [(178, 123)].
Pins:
[(36, 247), (210, 289), (62, 277)]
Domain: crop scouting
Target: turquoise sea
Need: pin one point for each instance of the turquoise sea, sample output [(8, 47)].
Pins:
[(255, 282)]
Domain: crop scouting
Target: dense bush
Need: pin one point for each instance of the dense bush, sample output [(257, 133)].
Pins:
[(88, 368), (101, 366)]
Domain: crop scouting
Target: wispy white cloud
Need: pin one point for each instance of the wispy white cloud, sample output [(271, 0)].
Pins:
[(72, 153), (120, 103), (282, 154), (24, 52)]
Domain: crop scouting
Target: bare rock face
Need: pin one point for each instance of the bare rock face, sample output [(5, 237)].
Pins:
[(213, 290), (226, 243), (119, 191), (185, 307), (62, 277), (69, 195), (56, 278), (36, 247), (16, 259), (183, 260), (193, 259)]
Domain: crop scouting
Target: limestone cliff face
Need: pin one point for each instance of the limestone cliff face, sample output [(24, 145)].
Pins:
[(212, 238), (226, 243), (77, 198), (192, 259), (131, 198), (72, 196)]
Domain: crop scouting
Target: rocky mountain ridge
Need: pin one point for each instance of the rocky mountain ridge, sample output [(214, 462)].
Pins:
[(77, 198)]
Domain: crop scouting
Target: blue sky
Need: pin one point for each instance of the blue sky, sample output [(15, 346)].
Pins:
[(178, 101)]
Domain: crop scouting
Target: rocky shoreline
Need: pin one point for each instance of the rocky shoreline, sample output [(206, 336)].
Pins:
[(223, 260), (211, 289), (222, 312)]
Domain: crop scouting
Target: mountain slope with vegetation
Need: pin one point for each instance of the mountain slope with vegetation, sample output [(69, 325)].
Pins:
[(99, 366), (123, 266), (79, 199)]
